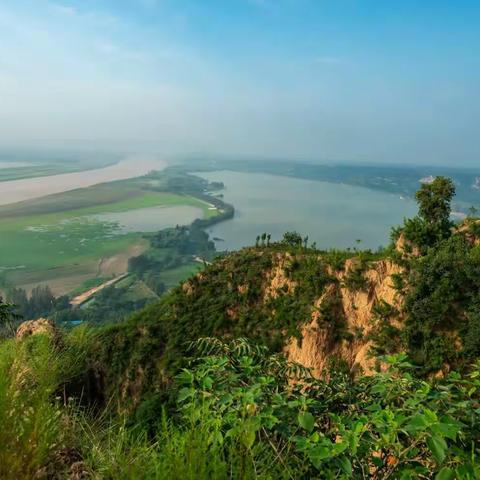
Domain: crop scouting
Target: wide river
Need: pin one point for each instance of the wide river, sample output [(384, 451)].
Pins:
[(333, 215), (27, 189)]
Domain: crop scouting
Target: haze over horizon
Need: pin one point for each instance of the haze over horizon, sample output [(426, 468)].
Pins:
[(348, 81)]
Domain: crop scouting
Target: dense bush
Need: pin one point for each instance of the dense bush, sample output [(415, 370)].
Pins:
[(389, 425), (443, 291)]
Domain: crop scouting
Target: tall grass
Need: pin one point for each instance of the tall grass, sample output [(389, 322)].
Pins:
[(37, 422), (35, 415), (30, 416), (188, 453)]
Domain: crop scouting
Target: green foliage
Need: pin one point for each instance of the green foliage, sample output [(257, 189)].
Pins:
[(226, 306), (442, 285), (292, 239), (240, 412), (390, 424), (474, 227), (336, 258), (433, 221), (40, 303), (185, 240), (384, 335), (440, 291), (8, 318), (235, 410), (471, 333), (355, 279), (192, 451), (291, 310), (434, 200)]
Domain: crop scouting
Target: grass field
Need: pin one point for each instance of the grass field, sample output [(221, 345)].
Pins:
[(108, 197), (174, 276), (55, 238)]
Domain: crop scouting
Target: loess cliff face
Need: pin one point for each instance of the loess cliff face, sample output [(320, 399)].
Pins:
[(318, 347), (333, 315)]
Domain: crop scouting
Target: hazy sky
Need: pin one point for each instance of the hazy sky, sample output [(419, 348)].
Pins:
[(350, 80)]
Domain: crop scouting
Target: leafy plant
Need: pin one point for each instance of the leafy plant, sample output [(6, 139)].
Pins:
[(390, 425)]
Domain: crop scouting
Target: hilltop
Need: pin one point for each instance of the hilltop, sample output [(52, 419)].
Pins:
[(321, 309)]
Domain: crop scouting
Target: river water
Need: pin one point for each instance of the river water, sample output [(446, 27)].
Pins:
[(333, 215), (27, 189), (151, 219)]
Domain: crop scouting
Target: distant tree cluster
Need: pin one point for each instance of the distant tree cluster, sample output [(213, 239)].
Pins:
[(8, 318), (290, 239), (40, 303), (184, 240)]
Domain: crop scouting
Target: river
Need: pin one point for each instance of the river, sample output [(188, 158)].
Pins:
[(30, 188), (333, 215)]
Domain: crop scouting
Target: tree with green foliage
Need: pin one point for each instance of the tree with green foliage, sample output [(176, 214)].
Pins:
[(42, 301), (263, 237), (432, 224), (434, 201), (292, 239), (18, 297), (8, 318)]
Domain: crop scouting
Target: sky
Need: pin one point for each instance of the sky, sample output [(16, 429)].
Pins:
[(365, 81)]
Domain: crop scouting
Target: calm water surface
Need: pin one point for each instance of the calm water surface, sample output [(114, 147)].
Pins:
[(333, 215), (152, 219)]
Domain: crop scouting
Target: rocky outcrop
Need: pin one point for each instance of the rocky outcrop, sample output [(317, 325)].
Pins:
[(334, 326), (406, 248), (471, 231), (276, 279), (36, 327)]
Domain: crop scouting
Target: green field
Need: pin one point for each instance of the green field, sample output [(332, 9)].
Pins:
[(42, 241), (55, 237), (174, 276), (103, 198)]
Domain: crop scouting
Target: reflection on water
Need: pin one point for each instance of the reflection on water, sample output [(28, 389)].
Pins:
[(151, 219), (19, 190), (333, 215)]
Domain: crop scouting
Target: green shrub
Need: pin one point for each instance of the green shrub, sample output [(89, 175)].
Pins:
[(390, 425)]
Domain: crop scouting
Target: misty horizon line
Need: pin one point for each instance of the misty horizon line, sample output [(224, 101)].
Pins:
[(78, 153)]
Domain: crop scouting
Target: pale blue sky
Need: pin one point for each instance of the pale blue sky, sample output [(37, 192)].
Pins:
[(345, 80)]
